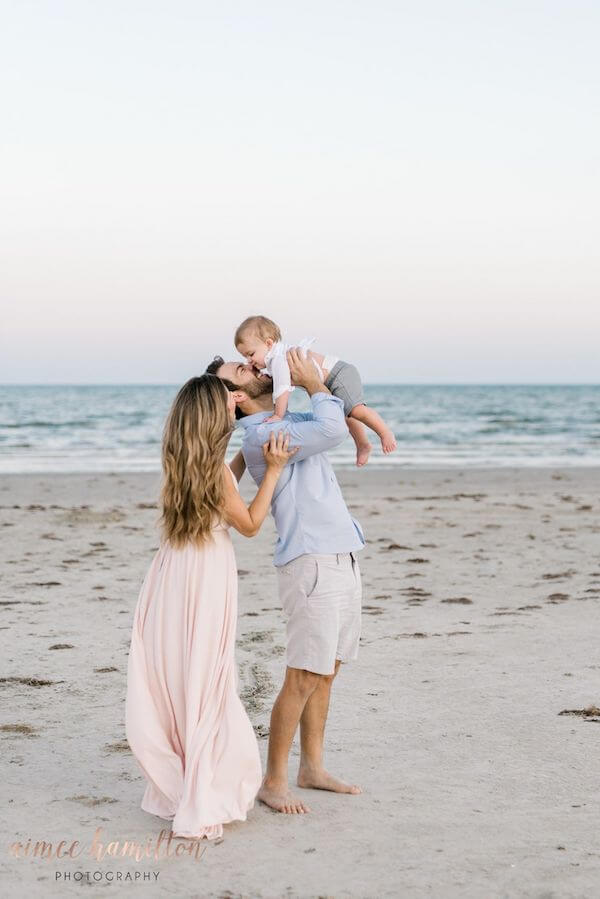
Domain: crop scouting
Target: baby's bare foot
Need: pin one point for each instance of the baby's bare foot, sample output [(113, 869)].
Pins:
[(322, 780), (363, 451), (388, 441), (278, 797)]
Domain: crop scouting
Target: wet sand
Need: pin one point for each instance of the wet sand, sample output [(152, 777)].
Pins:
[(464, 717)]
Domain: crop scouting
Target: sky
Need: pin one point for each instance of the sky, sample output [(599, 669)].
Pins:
[(415, 184)]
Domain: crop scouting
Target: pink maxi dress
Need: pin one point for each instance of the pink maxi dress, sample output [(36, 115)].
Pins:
[(185, 722)]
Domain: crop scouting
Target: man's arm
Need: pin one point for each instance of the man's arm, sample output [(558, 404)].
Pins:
[(326, 429)]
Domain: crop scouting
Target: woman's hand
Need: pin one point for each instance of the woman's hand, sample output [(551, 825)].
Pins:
[(275, 451)]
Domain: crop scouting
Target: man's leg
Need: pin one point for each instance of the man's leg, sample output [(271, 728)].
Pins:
[(311, 773), (297, 687)]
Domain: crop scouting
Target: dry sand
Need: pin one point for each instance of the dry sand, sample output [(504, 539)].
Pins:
[(481, 601)]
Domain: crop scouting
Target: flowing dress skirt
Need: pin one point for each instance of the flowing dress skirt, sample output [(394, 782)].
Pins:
[(185, 723)]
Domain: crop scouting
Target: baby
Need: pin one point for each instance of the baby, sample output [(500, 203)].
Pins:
[(259, 340)]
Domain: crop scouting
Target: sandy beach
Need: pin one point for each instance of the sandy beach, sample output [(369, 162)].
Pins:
[(480, 627)]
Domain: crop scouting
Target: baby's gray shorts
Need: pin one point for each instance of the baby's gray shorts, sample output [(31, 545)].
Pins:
[(344, 382)]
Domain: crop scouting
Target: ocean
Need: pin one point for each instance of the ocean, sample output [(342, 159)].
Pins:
[(119, 427)]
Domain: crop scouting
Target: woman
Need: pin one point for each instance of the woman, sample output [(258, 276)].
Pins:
[(185, 723)]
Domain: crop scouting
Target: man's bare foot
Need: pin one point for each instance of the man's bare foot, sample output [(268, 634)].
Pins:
[(388, 441), (279, 798), (363, 451), (322, 780)]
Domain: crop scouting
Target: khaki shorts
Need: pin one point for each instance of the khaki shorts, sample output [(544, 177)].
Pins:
[(321, 598)]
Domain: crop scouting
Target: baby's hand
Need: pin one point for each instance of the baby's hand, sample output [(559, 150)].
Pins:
[(273, 417)]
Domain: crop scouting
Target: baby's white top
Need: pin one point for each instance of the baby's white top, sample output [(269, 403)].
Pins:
[(276, 364)]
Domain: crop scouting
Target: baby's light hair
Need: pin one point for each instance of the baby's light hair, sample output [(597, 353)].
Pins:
[(257, 324)]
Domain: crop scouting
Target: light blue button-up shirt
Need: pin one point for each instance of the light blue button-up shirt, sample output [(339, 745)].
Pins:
[(308, 507)]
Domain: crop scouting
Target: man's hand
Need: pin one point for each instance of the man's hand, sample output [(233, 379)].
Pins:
[(303, 371)]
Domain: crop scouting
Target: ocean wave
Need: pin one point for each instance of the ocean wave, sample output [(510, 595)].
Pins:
[(120, 428)]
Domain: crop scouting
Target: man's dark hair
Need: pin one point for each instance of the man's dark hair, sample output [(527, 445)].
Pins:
[(212, 368)]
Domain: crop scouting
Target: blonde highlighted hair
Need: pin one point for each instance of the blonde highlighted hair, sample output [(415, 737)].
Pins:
[(257, 324), (195, 438)]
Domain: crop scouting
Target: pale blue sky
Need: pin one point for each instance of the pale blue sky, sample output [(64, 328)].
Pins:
[(414, 183)]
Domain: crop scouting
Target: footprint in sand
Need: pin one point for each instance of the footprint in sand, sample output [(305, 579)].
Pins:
[(505, 612), (91, 801), (23, 730), (119, 746), (260, 688), (591, 713), (461, 600), (261, 731), (558, 575), (85, 515), (253, 637)]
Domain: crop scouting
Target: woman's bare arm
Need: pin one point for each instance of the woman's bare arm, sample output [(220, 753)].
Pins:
[(248, 519)]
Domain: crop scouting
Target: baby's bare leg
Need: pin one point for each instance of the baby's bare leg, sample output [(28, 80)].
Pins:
[(359, 434), (373, 420)]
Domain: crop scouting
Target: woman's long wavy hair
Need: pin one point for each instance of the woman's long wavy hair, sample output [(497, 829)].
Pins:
[(195, 438)]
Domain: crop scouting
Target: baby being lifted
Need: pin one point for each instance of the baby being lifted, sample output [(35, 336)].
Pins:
[(259, 340)]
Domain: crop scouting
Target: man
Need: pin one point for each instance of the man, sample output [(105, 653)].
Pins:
[(318, 573)]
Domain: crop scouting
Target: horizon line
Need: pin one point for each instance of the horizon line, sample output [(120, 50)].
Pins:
[(365, 383)]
